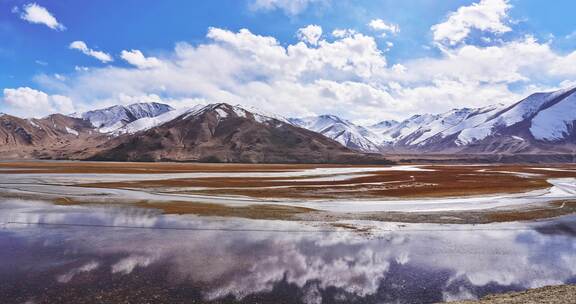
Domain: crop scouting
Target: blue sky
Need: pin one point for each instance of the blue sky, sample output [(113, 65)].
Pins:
[(420, 56)]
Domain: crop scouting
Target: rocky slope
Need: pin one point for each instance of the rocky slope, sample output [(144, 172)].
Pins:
[(55, 136)]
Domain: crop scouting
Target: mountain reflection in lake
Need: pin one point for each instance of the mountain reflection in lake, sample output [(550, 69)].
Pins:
[(103, 258)]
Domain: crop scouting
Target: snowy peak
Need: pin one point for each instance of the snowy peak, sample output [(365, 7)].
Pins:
[(532, 124), (343, 131), (146, 123), (224, 111), (528, 107), (556, 121), (221, 110), (115, 117), (528, 125), (540, 116), (403, 129), (384, 125)]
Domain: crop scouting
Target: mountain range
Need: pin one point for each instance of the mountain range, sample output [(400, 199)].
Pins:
[(539, 123), (542, 123)]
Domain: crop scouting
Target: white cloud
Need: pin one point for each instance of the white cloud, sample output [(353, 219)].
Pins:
[(346, 75), (82, 47), (241, 68), (37, 14), (310, 34), (290, 7), (136, 58), (487, 15), (381, 25), (28, 102), (60, 77), (341, 33)]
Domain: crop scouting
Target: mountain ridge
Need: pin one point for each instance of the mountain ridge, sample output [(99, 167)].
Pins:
[(224, 133)]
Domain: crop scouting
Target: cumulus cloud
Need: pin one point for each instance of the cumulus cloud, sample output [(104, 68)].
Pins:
[(382, 26), (310, 34), (342, 72), (290, 7), (37, 14), (136, 58), (28, 102), (486, 15), (341, 33), (83, 47), (241, 68)]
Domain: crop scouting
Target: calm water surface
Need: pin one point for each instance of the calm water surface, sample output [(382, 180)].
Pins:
[(90, 254)]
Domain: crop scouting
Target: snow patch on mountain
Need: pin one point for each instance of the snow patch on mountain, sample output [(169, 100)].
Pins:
[(405, 128), (221, 113), (111, 128), (553, 123), (31, 121), (262, 115), (383, 125), (341, 130), (147, 123), (72, 131), (112, 118)]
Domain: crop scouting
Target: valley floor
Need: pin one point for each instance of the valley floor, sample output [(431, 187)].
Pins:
[(406, 193)]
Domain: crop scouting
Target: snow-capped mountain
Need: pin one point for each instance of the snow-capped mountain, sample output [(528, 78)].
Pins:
[(421, 130), (383, 125), (343, 131), (146, 123), (115, 117), (546, 117), (540, 122), (225, 133)]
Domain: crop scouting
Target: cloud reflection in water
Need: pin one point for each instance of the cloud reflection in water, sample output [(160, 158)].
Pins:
[(340, 266)]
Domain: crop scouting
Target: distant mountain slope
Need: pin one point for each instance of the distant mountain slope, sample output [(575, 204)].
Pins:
[(146, 123), (343, 131), (225, 133), (54, 136), (542, 122), (112, 118)]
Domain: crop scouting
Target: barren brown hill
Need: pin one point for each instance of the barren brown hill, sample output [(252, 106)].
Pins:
[(55, 136)]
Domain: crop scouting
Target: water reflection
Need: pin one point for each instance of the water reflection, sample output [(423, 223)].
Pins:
[(306, 264)]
